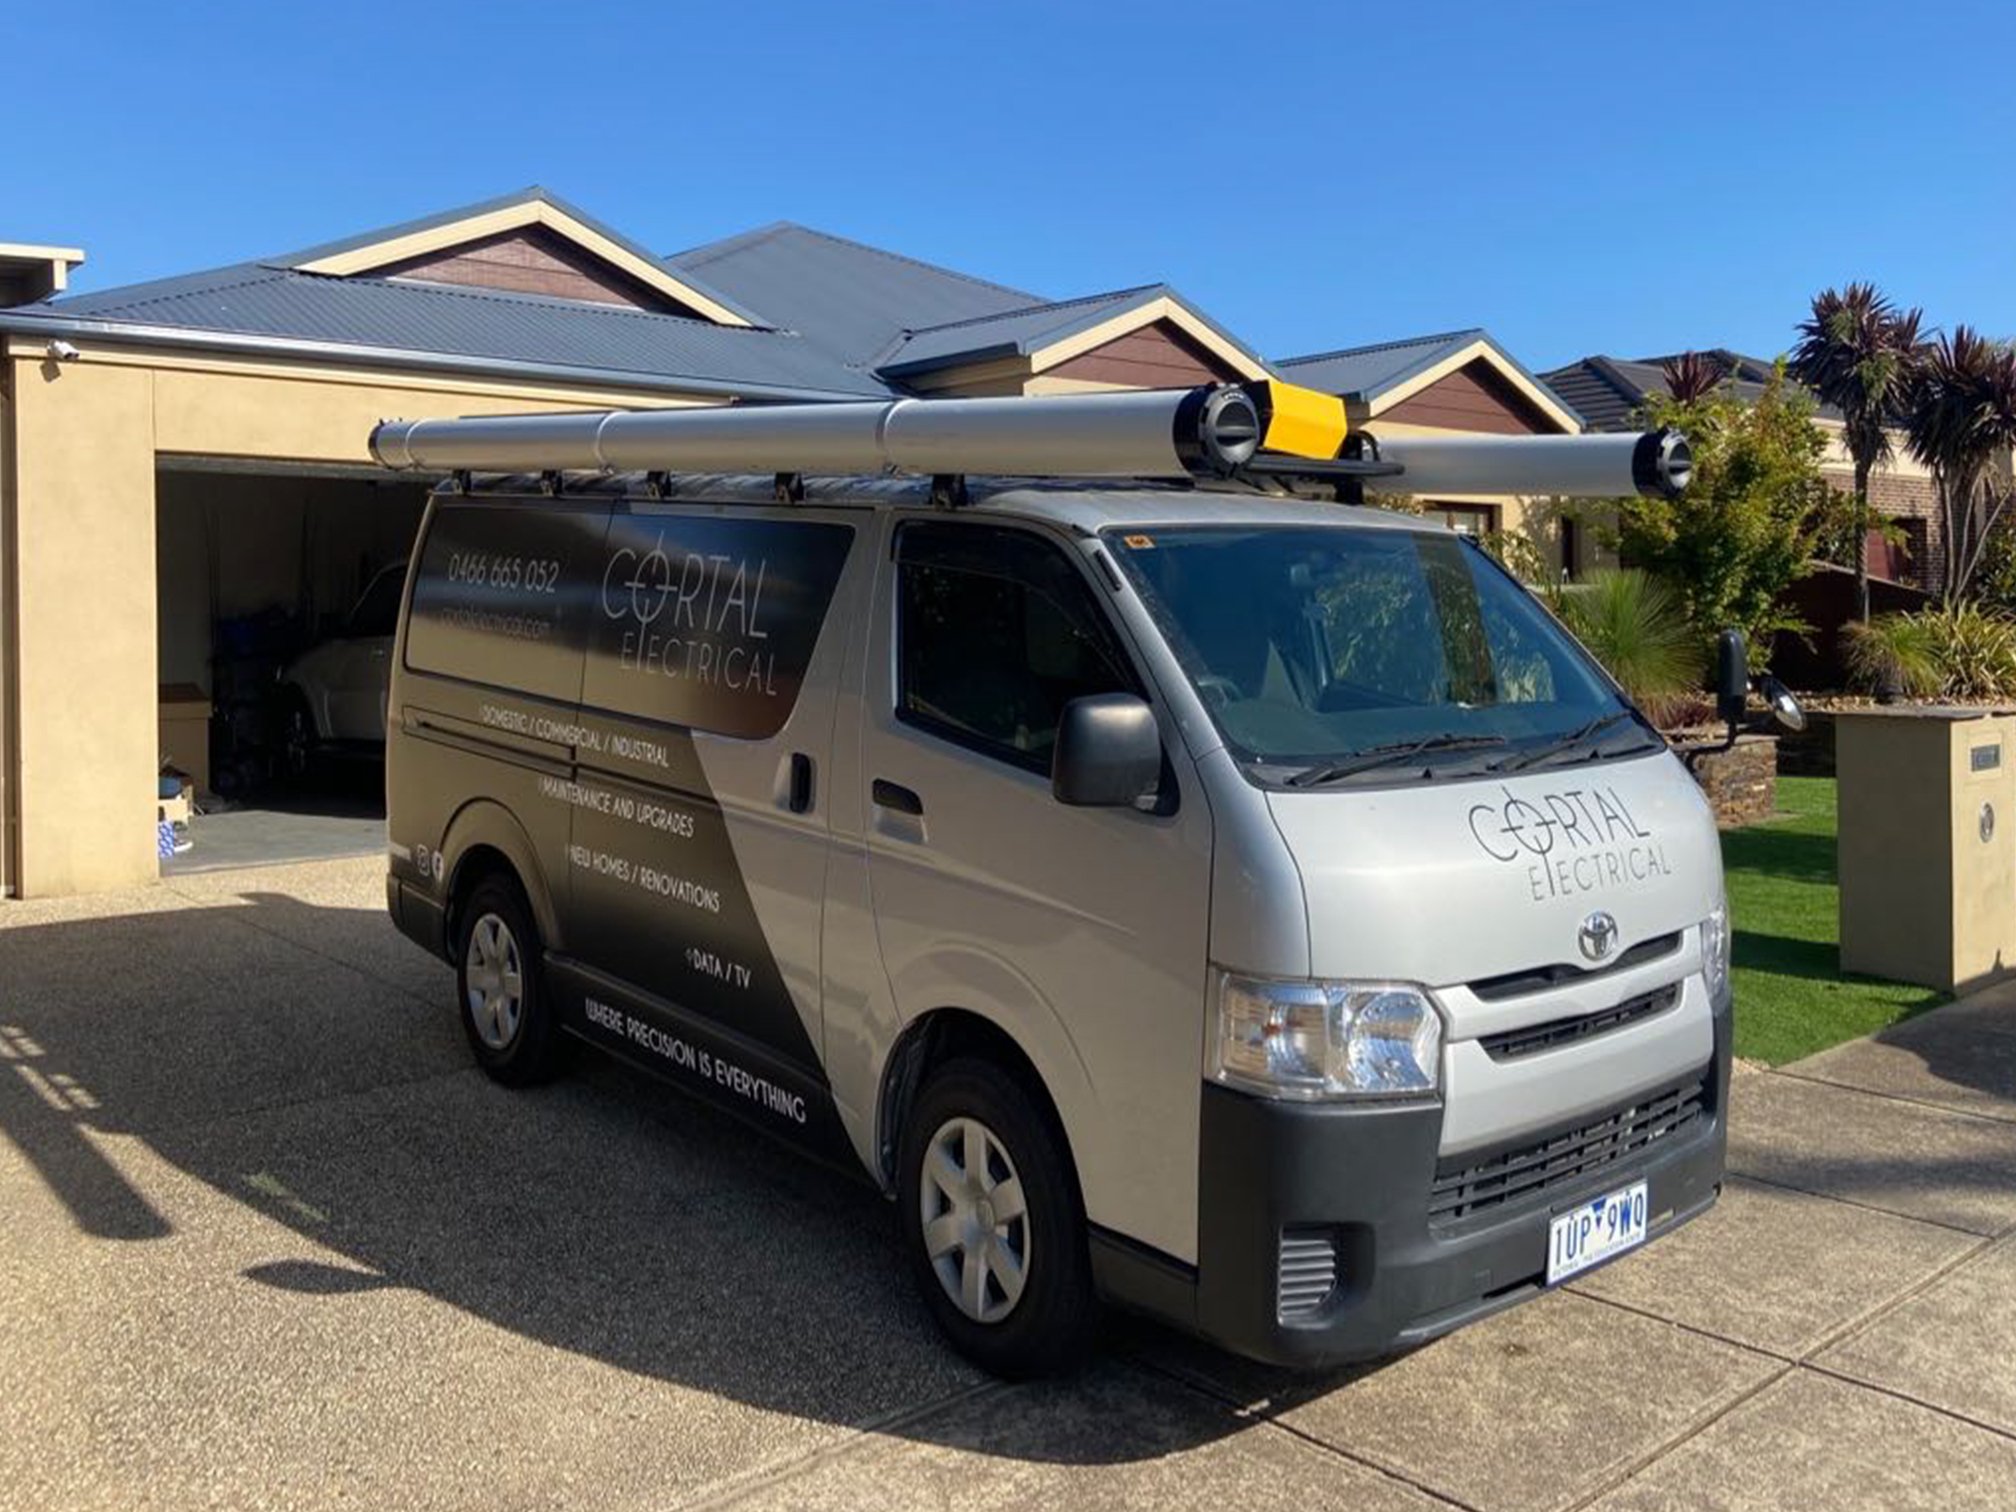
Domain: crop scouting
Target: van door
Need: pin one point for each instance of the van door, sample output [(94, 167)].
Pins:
[(699, 839), (1080, 931)]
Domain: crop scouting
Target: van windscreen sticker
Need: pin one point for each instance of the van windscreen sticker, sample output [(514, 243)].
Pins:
[(708, 621)]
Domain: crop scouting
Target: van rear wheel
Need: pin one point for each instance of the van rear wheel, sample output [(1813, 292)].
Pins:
[(505, 1011), (993, 1224)]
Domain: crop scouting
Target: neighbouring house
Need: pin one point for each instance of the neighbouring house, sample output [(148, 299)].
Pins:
[(1608, 391), (185, 489), (1454, 381)]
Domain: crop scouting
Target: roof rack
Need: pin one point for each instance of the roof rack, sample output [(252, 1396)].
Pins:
[(1253, 432)]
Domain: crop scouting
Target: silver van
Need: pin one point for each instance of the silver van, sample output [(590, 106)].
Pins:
[(1247, 908)]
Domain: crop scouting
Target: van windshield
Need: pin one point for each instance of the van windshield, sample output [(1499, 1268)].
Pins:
[(1330, 654)]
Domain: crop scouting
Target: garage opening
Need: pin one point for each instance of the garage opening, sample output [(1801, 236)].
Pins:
[(277, 592)]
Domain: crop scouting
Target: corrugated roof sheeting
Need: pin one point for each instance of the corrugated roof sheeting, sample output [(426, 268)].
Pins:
[(1016, 331), (462, 322), (851, 299), (1370, 370)]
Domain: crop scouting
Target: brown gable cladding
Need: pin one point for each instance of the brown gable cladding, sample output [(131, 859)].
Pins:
[(531, 260), (1473, 398), (1156, 356)]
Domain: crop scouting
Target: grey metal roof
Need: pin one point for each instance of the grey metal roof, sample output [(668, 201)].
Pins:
[(1009, 334), (849, 298), (1609, 390), (505, 202), (1366, 372), (1018, 333), (455, 321)]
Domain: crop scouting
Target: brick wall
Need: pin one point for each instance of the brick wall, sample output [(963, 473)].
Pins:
[(1915, 501), (1741, 782)]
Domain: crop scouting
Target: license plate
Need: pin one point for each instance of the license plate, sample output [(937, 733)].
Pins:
[(1593, 1232)]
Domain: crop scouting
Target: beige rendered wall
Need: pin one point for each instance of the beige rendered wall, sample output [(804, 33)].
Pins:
[(86, 662), (84, 626)]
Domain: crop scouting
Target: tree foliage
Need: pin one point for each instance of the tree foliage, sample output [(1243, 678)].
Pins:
[(1744, 531), (1857, 352), (1960, 417)]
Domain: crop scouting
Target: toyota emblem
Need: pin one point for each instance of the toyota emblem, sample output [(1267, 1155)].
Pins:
[(1598, 935)]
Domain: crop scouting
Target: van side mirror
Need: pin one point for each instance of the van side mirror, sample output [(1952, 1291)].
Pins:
[(1784, 705), (1732, 676), (1108, 753)]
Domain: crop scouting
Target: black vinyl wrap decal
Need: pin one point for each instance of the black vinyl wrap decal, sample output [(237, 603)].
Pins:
[(649, 623)]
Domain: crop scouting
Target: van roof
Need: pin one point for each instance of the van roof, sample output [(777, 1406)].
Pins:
[(1087, 507)]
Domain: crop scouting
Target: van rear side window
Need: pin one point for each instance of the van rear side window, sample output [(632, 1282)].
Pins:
[(504, 594)]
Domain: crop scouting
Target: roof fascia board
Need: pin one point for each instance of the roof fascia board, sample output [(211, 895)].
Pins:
[(513, 217), (1483, 347), (399, 359)]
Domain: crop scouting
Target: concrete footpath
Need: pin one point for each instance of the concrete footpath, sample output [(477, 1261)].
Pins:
[(266, 1239)]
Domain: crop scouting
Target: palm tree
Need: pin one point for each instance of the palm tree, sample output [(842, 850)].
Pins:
[(1961, 418), (1856, 353)]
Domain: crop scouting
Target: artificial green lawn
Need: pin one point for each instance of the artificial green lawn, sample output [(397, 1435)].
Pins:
[(1791, 998)]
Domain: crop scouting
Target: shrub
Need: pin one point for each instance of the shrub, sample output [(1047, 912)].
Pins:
[(1960, 651), (1634, 626), (1744, 530), (1894, 652), (1976, 651)]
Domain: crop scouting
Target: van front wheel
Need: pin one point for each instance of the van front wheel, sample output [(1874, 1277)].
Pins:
[(992, 1221)]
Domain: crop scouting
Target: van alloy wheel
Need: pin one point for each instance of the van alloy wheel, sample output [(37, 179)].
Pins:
[(976, 1220), (495, 979)]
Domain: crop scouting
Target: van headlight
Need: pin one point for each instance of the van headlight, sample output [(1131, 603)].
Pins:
[(1715, 954), (1326, 1039)]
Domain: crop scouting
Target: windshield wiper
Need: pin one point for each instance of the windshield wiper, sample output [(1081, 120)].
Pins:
[(1389, 755), (1563, 744)]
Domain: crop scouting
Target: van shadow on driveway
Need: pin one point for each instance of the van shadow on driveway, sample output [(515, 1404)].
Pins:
[(307, 1063)]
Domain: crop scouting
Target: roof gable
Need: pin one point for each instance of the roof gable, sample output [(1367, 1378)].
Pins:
[(534, 218), (1379, 379), (1046, 337)]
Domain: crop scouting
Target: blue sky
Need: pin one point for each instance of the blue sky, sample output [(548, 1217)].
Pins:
[(1578, 178)]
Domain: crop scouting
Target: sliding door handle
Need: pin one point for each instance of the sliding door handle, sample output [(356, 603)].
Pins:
[(896, 798), (799, 797)]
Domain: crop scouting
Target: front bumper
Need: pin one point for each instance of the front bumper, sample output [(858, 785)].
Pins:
[(1361, 1177)]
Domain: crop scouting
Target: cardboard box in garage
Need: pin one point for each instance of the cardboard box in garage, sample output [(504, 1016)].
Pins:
[(185, 731)]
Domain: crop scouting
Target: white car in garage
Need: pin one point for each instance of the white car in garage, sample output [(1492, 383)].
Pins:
[(334, 692)]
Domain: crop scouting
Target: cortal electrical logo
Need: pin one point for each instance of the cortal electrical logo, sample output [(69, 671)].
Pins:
[(1578, 840), (690, 616)]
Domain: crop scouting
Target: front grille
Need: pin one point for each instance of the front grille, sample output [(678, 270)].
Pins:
[(1308, 1272), (1532, 1173), (1540, 978), (1553, 1034)]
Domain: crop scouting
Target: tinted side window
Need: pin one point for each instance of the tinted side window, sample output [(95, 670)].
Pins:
[(996, 632), (709, 620), (377, 611), (505, 591)]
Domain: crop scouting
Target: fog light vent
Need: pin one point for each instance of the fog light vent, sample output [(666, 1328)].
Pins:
[(1308, 1272)]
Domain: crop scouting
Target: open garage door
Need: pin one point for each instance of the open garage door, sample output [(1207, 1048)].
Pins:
[(277, 595)]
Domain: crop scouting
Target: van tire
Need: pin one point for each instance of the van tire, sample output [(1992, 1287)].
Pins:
[(506, 1012), (1049, 1324)]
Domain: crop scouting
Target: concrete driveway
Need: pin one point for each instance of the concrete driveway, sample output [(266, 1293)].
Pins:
[(266, 1239)]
